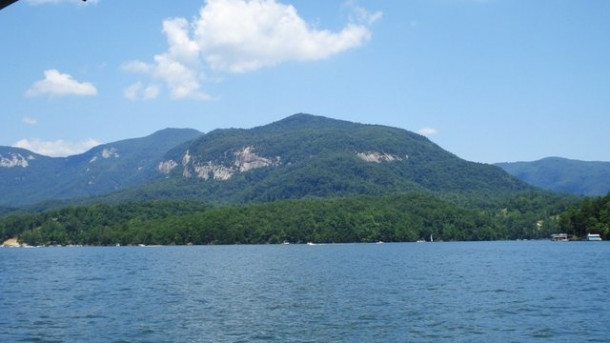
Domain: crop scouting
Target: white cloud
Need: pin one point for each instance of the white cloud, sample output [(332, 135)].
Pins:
[(29, 121), (139, 91), (58, 148), (237, 36), (427, 131), (137, 67), (179, 67), (59, 84), (240, 36)]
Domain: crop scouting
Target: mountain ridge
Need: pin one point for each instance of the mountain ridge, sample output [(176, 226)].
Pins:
[(562, 175), (99, 170), (299, 156), (306, 155)]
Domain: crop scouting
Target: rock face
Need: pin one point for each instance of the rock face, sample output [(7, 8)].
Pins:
[(209, 170), (166, 167), (246, 159), (378, 157), (242, 161)]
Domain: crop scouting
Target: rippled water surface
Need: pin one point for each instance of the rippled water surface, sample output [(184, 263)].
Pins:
[(430, 292)]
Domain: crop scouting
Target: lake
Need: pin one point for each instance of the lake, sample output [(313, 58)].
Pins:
[(524, 291)]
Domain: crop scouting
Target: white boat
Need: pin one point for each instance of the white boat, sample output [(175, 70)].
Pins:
[(593, 237)]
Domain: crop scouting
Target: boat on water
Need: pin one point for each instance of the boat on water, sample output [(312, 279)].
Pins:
[(593, 237)]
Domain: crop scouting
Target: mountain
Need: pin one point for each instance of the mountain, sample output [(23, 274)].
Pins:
[(312, 156), (304, 178), (27, 178), (298, 157), (563, 175)]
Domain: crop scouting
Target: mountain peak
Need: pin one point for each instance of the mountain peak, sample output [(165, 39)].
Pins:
[(305, 120)]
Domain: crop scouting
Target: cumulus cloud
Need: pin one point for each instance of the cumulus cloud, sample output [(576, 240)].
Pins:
[(56, 84), (140, 91), (29, 121), (427, 131), (238, 36), (179, 67), (58, 148)]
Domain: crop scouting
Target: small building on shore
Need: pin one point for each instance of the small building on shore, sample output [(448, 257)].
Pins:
[(559, 237)]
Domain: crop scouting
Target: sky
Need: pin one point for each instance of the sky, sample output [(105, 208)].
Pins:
[(487, 80)]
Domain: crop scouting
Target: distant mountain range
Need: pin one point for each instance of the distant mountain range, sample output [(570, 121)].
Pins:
[(27, 178), (298, 157), (563, 175)]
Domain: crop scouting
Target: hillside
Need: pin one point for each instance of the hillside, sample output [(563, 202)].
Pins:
[(298, 157), (563, 175), (298, 179), (311, 156), (27, 178)]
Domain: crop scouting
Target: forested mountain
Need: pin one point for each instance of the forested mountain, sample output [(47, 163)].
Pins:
[(300, 156), (298, 179), (563, 175), (305, 155), (27, 178)]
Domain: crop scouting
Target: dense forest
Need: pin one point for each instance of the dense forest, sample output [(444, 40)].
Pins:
[(388, 218), (593, 216)]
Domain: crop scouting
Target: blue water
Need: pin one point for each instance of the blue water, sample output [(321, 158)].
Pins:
[(525, 291)]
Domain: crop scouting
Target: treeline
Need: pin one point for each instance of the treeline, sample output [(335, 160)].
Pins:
[(393, 218), (88, 224), (593, 216)]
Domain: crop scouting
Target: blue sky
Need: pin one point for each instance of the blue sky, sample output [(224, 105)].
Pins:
[(488, 80)]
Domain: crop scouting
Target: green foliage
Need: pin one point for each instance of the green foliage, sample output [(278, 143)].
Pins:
[(321, 191), (593, 216), (92, 225), (318, 158), (389, 218)]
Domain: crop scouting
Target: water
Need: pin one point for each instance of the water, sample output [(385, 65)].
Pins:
[(412, 292)]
